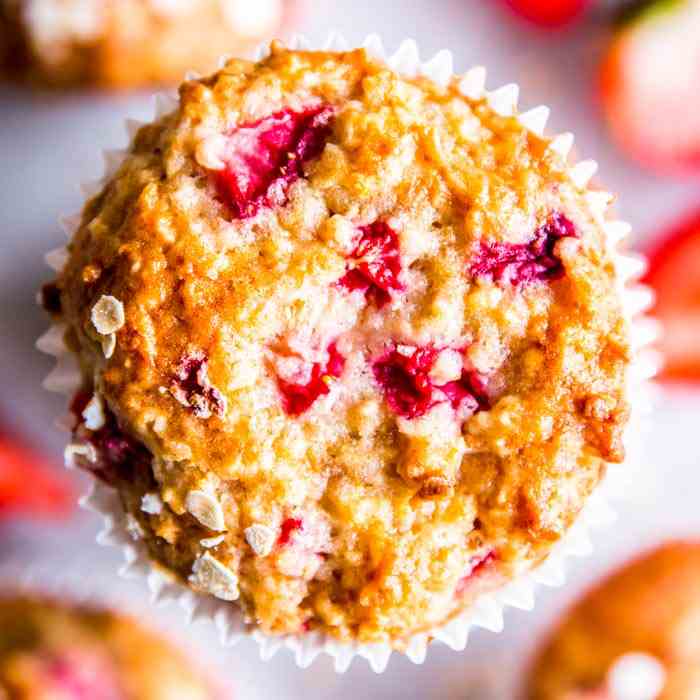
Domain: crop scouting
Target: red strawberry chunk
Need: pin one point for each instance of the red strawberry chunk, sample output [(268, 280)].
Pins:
[(265, 157), (192, 388), (297, 398), (119, 456), (411, 392), (477, 565), (289, 526), (375, 264), (520, 263)]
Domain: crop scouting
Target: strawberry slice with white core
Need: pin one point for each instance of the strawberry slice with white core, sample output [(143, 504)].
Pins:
[(263, 158), (650, 86), (674, 273)]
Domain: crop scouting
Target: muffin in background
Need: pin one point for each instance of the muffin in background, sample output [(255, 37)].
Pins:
[(635, 636), (51, 650), (123, 43)]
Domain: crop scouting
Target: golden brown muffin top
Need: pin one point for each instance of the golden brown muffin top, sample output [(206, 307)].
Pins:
[(368, 329)]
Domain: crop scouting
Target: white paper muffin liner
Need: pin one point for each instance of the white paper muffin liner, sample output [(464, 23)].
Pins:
[(487, 611)]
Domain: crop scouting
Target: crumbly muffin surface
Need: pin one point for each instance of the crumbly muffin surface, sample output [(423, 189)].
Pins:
[(651, 606), (127, 42), (354, 341), (53, 651)]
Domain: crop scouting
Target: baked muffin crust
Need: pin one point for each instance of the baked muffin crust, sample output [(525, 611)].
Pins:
[(371, 324)]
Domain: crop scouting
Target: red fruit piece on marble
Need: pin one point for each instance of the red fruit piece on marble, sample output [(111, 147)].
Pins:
[(548, 13), (375, 264), (520, 263), (263, 158), (28, 484), (674, 273), (297, 398), (648, 85)]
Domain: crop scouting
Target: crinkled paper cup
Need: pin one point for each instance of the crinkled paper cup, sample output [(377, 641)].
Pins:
[(487, 611)]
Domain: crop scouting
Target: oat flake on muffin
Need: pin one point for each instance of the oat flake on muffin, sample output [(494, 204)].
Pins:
[(372, 325)]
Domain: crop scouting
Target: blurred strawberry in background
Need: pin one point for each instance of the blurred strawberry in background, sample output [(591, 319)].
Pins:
[(650, 84), (548, 13), (29, 485), (674, 273)]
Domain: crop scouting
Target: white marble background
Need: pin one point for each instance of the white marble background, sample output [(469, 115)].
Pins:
[(48, 144)]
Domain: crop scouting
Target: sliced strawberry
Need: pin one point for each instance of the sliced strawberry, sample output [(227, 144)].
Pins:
[(520, 263), (297, 398), (650, 86), (548, 13), (410, 390), (264, 157), (674, 273), (375, 264), (28, 484)]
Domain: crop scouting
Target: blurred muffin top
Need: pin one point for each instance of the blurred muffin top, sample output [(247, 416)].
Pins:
[(122, 43), (360, 338), (57, 651), (652, 607)]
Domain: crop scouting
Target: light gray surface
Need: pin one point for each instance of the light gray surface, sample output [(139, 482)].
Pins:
[(49, 144)]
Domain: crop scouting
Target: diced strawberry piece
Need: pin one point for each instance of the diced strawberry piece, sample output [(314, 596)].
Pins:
[(29, 484), (477, 565), (520, 263), (649, 86), (411, 392), (289, 526), (548, 13), (674, 273), (192, 388), (375, 264), (406, 381), (265, 157), (470, 389), (119, 456), (297, 398)]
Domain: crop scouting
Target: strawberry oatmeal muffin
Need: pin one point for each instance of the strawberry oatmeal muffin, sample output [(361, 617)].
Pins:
[(55, 651), (352, 345), (633, 637), (122, 43)]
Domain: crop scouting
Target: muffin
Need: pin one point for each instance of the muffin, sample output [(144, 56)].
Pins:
[(643, 616), (352, 344), (59, 43), (57, 651)]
